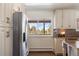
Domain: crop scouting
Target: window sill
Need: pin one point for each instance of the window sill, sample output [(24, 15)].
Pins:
[(40, 35)]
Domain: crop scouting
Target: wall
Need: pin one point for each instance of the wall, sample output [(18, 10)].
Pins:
[(40, 42)]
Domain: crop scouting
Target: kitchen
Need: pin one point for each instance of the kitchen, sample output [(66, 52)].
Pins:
[(46, 23)]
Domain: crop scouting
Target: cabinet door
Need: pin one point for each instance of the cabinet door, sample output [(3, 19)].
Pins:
[(8, 14), (2, 42), (72, 20), (5, 41), (1, 14), (66, 18), (58, 18), (8, 41), (46, 42), (69, 18), (77, 18), (58, 45), (34, 42)]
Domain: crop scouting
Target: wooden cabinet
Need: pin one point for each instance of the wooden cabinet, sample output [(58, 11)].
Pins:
[(5, 41)]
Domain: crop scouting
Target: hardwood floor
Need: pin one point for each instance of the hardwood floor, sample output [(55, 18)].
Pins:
[(41, 53)]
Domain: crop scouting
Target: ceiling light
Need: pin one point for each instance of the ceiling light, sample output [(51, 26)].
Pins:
[(62, 31)]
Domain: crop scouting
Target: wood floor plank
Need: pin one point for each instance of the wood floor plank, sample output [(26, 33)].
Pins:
[(41, 53)]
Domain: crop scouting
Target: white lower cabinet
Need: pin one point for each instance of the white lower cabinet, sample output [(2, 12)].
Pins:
[(58, 45), (6, 41), (1, 41)]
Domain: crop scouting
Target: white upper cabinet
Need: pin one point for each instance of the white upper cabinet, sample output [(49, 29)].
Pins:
[(1, 14), (58, 18), (65, 18), (76, 18), (6, 15), (69, 18)]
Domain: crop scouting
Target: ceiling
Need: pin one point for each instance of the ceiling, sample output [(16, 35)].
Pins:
[(50, 6)]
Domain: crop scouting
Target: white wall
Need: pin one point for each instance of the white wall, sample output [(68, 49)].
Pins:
[(39, 14), (40, 42)]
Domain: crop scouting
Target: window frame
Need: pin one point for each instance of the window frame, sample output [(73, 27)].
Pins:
[(42, 21)]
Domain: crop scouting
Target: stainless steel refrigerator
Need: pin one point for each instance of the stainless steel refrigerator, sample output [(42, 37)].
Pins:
[(20, 38)]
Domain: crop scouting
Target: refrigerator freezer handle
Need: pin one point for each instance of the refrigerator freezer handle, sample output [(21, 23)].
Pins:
[(24, 37)]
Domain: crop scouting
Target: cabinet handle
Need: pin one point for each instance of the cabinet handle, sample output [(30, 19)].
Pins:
[(69, 26), (7, 34), (8, 20)]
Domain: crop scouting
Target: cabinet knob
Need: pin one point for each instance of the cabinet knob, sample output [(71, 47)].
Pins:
[(69, 26), (7, 34), (61, 25), (8, 20)]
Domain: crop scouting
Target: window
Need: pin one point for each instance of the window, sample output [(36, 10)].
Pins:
[(47, 28), (39, 27)]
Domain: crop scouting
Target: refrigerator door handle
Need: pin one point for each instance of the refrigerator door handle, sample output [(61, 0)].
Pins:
[(24, 37)]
